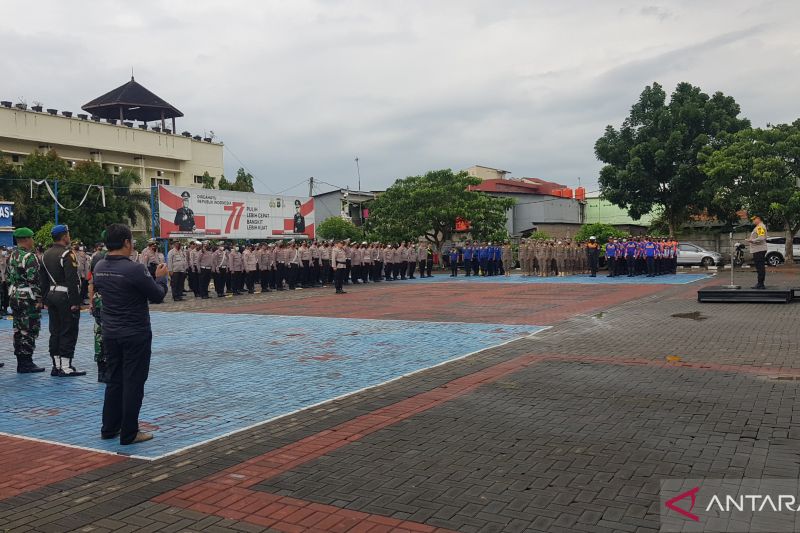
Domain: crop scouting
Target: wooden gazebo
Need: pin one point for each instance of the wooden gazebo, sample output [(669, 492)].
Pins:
[(132, 101)]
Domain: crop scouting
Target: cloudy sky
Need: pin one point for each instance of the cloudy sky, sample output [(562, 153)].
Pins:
[(300, 88)]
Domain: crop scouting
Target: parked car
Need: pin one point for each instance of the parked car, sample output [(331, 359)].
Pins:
[(776, 248), (693, 254)]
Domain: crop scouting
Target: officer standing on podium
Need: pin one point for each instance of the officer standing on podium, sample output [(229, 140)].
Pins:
[(63, 299), (758, 247)]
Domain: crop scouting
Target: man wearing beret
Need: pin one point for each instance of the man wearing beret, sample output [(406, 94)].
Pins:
[(63, 298), (25, 299)]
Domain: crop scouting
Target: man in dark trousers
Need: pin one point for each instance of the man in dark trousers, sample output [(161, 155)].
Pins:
[(126, 287), (63, 299), (593, 255)]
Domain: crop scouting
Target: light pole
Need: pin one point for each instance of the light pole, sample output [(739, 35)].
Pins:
[(358, 169)]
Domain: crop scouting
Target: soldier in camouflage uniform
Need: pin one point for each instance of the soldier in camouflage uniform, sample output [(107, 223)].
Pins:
[(96, 309), (26, 300)]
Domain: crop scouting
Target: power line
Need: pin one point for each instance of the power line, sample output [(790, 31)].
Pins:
[(293, 186), (247, 170)]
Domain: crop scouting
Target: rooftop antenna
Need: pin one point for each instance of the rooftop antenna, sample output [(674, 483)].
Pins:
[(131, 72)]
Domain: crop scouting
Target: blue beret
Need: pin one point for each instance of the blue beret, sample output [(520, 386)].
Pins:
[(59, 230)]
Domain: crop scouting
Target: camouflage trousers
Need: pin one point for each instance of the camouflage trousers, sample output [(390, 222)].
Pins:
[(99, 356), (26, 326)]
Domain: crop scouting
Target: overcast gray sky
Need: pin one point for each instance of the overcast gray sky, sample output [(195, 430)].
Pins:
[(300, 88)]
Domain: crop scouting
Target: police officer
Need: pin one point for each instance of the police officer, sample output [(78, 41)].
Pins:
[(593, 255), (25, 299), (650, 252), (611, 257), (63, 298), (758, 248), (453, 262), (177, 264), (250, 262), (184, 217), (339, 265)]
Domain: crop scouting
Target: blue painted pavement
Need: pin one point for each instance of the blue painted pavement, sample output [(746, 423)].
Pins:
[(213, 374), (601, 279)]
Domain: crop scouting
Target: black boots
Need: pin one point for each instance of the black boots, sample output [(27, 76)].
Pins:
[(62, 368), (25, 365)]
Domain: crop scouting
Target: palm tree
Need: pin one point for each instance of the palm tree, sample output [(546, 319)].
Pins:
[(136, 200)]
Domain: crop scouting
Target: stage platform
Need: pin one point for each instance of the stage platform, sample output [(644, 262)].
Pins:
[(777, 295)]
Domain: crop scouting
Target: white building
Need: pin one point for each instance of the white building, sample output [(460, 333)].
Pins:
[(125, 128)]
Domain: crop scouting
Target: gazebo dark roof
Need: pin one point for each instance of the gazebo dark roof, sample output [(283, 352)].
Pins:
[(131, 101)]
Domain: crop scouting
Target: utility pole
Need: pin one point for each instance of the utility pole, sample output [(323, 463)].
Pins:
[(311, 186), (358, 169)]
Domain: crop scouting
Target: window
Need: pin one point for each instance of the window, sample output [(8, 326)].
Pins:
[(15, 158), (159, 173), (687, 248), (198, 180), (158, 181)]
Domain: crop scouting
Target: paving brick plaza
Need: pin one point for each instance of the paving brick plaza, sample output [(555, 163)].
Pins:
[(507, 404)]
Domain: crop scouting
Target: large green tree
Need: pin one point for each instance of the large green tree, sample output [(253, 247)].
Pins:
[(429, 205), (652, 160), (758, 171)]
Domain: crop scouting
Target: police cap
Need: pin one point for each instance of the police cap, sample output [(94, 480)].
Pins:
[(59, 230)]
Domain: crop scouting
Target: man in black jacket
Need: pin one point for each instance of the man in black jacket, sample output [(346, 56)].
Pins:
[(63, 299), (126, 288)]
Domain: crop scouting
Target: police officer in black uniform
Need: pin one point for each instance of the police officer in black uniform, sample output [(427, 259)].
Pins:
[(63, 298), (299, 219), (184, 217)]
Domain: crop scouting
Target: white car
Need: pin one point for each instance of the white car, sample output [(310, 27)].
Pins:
[(693, 254), (776, 248)]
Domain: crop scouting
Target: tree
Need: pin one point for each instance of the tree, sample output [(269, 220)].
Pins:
[(124, 201), (429, 205), (43, 236), (599, 230), (208, 180), (243, 182), (338, 229), (758, 170), (652, 160)]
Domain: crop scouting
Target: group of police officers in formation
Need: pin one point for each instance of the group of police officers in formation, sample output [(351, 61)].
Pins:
[(287, 265), (61, 277)]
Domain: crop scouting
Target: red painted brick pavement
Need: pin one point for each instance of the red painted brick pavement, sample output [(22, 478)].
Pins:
[(500, 303), (228, 493), (43, 464)]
